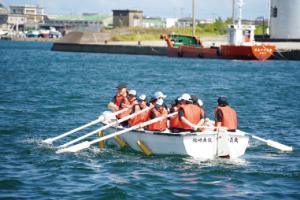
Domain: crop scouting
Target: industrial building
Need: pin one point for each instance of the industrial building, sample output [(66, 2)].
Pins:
[(127, 18), (21, 17), (285, 19)]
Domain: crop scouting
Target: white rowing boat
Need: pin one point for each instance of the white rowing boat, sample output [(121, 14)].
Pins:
[(208, 144)]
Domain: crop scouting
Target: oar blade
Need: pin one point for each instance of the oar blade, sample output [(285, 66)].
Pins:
[(280, 146), (75, 148), (48, 141)]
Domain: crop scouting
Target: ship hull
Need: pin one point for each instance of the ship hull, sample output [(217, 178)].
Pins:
[(255, 52)]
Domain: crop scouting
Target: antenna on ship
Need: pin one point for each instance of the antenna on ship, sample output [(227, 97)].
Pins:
[(233, 11), (194, 21), (241, 3)]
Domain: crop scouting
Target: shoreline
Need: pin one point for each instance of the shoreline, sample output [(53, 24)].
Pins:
[(285, 50)]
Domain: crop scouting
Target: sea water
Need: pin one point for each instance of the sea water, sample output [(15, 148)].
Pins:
[(45, 93)]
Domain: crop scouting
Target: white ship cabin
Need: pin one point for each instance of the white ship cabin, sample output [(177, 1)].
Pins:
[(241, 34)]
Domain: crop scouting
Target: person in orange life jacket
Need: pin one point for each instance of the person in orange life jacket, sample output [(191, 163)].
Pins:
[(225, 116), (142, 104), (120, 101), (158, 95), (132, 98), (189, 114), (116, 103), (157, 111), (198, 102), (174, 120)]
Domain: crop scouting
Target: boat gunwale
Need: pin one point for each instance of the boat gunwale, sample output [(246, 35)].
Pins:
[(181, 134)]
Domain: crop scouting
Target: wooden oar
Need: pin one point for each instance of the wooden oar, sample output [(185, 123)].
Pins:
[(101, 118), (87, 144), (272, 143), (103, 128)]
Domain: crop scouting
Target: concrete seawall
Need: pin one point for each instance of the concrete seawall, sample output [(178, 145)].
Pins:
[(280, 54), (104, 48)]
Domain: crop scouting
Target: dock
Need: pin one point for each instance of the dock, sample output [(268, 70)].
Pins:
[(99, 43)]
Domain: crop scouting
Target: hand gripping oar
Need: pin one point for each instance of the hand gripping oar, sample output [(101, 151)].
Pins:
[(272, 143), (103, 128), (101, 118), (87, 144)]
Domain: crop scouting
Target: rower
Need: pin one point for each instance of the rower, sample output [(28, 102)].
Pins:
[(158, 95), (119, 98), (157, 111), (189, 114), (198, 102), (143, 117), (225, 116), (120, 101), (132, 97), (174, 120)]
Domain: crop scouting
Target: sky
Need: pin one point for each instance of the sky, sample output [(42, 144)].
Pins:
[(205, 9)]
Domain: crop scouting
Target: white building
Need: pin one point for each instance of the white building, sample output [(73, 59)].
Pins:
[(285, 19), (33, 14), (171, 22)]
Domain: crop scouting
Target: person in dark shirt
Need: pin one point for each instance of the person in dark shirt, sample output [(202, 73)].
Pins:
[(225, 116)]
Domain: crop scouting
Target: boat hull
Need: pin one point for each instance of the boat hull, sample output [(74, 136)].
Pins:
[(201, 145), (193, 52)]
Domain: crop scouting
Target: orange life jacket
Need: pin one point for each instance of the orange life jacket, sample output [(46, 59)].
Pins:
[(119, 101), (160, 125), (142, 117), (192, 113), (174, 121), (229, 119)]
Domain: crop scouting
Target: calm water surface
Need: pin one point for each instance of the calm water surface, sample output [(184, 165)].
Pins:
[(44, 93)]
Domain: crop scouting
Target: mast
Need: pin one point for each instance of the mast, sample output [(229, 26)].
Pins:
[(194, 21), (241, 3), (233, 11)]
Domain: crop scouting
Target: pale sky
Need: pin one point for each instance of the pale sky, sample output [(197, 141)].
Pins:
[(205, 9)]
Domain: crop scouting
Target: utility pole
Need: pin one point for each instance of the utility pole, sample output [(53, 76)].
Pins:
[(194, 21)]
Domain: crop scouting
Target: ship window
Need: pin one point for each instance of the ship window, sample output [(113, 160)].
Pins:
[(274, 11)]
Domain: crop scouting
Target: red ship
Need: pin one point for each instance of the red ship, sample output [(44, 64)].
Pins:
[(192, 47), (241, 45)]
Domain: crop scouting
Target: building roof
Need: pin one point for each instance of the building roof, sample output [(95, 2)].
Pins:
[(25, 6), (127, 10), (97, 17)]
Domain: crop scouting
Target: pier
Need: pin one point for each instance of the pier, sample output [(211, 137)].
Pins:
[(285, 51)]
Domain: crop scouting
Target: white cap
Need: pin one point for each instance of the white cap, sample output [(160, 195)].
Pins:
[(159, 102), (185, 97), (159, 94), (142, 97), (200, 102), (132, 92)]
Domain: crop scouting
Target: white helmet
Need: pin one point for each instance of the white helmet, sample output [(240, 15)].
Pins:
[(142, 97), (200, 102), (132, 92), (185, 97), (159, 94)]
